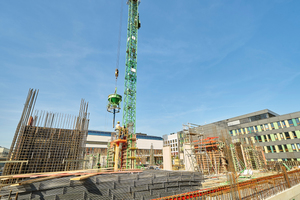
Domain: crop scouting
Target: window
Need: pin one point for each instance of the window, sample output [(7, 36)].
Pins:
[(265, 137), (231, 133), (259, 139), (272, 126), (294, 134), (280, 148), (283, 124), (287, 135), (290, 122), (281, 136), (297, 121), (275, 136), (279, 125), (258, 117), (269, 149), (252, 129), (293, 147), (269, 137), (255, 129), (298, 145), (244, 129), (262, 127), (249, 130), (274, 149), (266, 127), (247, 140), (285, 148)]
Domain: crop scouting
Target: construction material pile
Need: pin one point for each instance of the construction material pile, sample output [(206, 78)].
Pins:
[(144, 185)]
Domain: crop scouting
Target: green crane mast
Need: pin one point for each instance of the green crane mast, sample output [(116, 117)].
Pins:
[(128, 152), (129, 105)]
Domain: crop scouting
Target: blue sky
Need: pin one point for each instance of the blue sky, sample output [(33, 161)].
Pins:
[(198, 61)]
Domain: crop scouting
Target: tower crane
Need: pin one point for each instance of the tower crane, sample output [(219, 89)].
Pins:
[(129, 105), (126, 146)]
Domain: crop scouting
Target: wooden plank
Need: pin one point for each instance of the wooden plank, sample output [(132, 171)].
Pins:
[(36, 180), (49, 173)]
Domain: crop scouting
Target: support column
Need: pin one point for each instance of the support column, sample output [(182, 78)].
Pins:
[(117, 157)]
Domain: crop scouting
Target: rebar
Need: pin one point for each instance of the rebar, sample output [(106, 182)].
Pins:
[(46, 139)]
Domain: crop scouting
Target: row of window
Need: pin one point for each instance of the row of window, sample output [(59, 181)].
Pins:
[(174, 145), (174, 149), (173, 141), (285, 159), (271, 137), (283, 148), (266, 127)]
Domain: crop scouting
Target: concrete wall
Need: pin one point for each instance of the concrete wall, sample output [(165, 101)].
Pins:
[(167, 161), (289, 194), (146, 144), (189, 159), (97, 138)]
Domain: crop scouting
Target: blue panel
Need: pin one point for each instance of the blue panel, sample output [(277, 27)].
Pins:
[(147, 137), (100, 133)]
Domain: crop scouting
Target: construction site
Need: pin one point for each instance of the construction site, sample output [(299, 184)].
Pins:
[(48, 158)]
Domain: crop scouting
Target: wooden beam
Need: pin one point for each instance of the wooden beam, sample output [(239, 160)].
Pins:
[(36, 180)]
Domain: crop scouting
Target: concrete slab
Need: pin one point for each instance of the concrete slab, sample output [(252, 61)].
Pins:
[(289, 194)]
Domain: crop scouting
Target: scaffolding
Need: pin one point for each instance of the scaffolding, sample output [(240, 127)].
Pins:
[(130, 152), (47, 141), (204, 154), (210, 155), (125, 153)]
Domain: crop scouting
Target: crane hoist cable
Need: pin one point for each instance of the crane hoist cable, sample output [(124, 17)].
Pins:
[(119, 43), (115, 99)]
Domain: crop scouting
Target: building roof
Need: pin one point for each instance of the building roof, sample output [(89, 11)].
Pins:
[(138, 135), (252, 114)]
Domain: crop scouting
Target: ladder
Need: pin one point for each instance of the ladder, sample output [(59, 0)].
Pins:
[(110, 155), (206, 164), (236, 163)]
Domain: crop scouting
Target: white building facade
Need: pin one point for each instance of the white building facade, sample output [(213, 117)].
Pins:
[(97, 141), (172, 141)]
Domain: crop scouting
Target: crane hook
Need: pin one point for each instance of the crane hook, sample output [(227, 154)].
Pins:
[(116, 73)]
